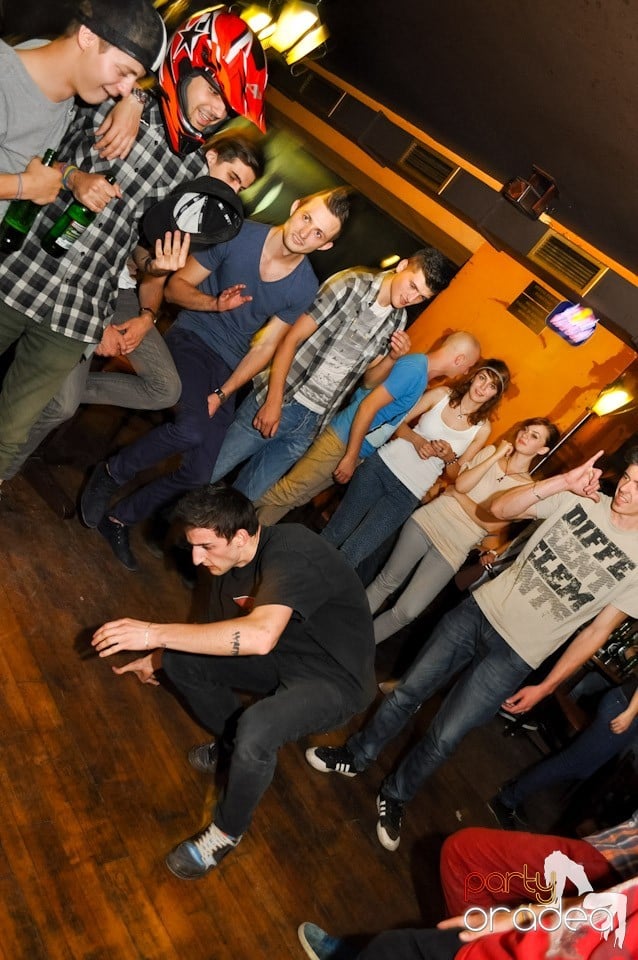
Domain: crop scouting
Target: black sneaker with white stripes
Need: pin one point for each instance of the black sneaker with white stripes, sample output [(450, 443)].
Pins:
[(332, 760), (389, 823)]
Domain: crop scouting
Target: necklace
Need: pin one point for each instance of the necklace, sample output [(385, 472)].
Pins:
[(460, 415), (506, 472)]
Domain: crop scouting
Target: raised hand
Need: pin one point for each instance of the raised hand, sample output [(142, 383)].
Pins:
[(232, 297), (171, 253), (585, 479)]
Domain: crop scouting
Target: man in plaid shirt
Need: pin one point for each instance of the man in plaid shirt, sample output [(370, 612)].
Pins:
[(71, 302), (355, 326), (59, 310), (37, 300)]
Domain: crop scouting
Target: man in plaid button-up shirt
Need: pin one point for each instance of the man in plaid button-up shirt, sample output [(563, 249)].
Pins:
[(72, 300), (355, 326)]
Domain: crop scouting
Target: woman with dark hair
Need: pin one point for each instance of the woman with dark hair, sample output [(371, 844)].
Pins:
[(438, 536), (451, 428)]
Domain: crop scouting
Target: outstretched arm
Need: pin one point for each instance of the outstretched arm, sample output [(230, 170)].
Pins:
[(255, 634), (582, 647), (520, 503), (183, 290)]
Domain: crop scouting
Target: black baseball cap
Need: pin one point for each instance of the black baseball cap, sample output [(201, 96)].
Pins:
[(207, 208), (133, 26)]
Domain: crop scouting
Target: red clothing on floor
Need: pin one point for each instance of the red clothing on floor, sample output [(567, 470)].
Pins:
[(481, 867)]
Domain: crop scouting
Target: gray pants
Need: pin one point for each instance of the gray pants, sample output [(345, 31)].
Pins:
[(155, 385), (429, 578)]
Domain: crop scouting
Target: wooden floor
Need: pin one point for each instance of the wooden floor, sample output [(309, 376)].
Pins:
[(95, 787)]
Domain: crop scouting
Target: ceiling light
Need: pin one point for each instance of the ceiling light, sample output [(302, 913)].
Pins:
[(309, 42), (296, 18)]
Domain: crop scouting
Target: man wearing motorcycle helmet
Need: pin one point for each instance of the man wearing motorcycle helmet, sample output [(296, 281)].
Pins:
[(73, 310), (214, 69)]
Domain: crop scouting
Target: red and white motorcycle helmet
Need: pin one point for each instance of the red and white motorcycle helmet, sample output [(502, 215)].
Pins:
[(221, 47)]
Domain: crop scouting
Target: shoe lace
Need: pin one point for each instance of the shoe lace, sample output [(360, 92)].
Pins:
[(211, 840)]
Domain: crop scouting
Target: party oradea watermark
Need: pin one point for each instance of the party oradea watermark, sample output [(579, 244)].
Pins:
[(604, 912)]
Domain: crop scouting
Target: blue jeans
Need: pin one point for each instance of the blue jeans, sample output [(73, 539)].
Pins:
[(581, 758), (270, 457), (192, 433), (375, 505), (492, 671), (298, 700)]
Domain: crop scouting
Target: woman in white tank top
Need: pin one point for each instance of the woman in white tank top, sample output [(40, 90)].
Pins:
[(451, 427)]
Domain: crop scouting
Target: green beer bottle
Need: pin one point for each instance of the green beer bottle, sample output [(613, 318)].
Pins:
[(69, 226), (19, 217)]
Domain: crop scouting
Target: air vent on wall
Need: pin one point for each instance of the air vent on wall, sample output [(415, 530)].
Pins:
[(427, 167), (566, 262)]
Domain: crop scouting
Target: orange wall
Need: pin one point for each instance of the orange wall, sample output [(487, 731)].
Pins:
[(549, 377)]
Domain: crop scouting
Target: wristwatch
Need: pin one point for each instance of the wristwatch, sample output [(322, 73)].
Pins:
[(220, 393), (142, 96)]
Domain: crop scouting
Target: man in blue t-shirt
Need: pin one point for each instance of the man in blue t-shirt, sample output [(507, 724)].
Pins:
[(367, 422), (259, 281)]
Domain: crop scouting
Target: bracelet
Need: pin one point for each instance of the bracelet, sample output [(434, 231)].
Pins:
[(151, 311), (67, 169), (448, 463), (534, 492), (18, 195), (219, 393), (148, 627)]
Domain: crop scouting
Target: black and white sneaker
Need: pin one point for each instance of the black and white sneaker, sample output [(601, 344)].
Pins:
[(389, 823), (194, 857), (204, 757), (332, 760)]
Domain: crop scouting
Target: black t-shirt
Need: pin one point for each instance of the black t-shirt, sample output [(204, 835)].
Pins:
[(331, 620)]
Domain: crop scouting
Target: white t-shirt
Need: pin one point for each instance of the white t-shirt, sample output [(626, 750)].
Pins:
[(402, 459), (574, 564)]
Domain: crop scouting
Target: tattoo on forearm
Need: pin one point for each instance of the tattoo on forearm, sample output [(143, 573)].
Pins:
[(234, 644)]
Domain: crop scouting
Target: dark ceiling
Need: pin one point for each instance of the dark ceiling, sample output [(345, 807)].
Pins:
[(505, 83), (508, 83)]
